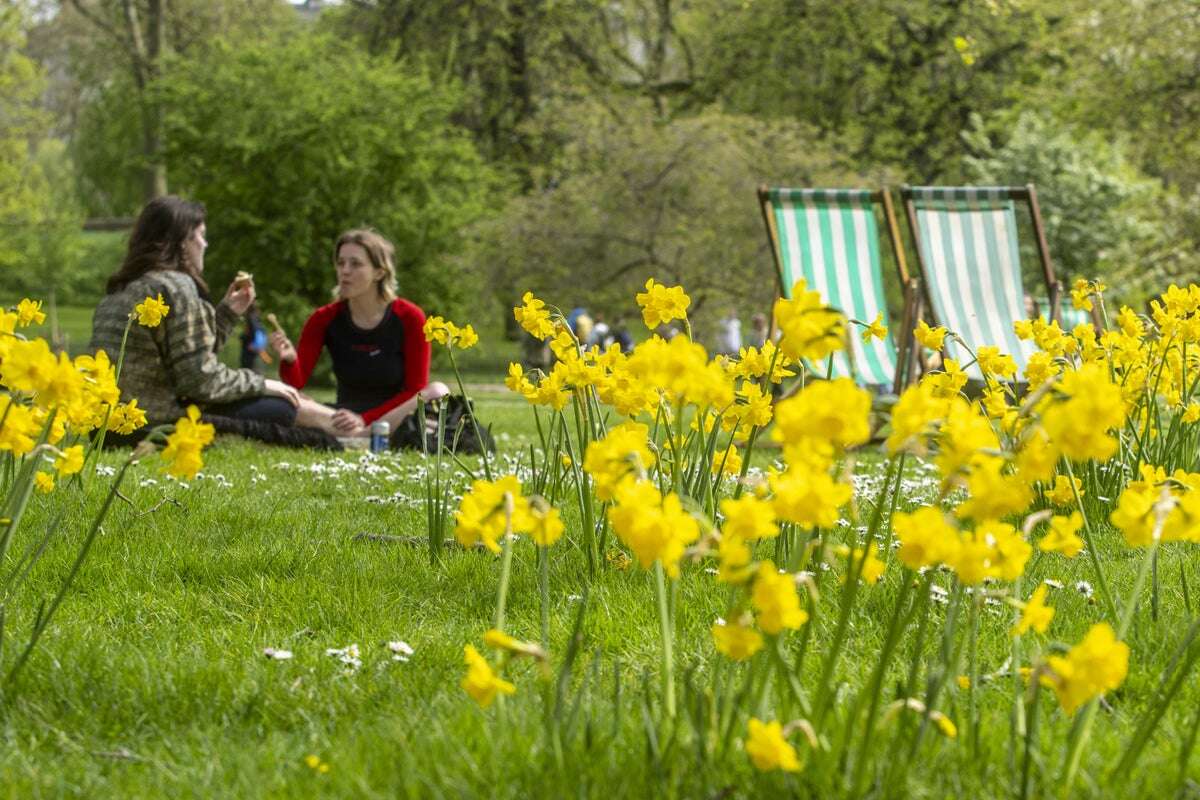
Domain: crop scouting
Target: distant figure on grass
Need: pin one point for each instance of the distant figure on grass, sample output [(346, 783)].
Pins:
[(729, 334), (581, 324), (666, 330), (175, 364), (375, 338), (601, 335), (622, 336), (758, 330)]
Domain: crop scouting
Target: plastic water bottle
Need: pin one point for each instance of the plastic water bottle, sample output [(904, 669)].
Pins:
[(380, 433)]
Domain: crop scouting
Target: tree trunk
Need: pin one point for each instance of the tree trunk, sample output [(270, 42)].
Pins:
[(152, 149)]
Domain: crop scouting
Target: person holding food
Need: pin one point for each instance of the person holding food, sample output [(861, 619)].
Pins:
[(175, 362), (375, 339)]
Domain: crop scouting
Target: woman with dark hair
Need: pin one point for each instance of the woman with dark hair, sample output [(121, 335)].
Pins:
[(375, 339), (176, 363)]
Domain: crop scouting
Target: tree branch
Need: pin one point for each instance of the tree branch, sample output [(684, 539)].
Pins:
[(96, 20)]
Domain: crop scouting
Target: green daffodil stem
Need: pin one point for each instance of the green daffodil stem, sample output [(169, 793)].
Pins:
[(44, 618), (544, 592), (1030, 737), (1101, 582), (668, 635), (505, 564), (1079, 742), (849, 593), (901, 617), (98, 444), (462, 390)]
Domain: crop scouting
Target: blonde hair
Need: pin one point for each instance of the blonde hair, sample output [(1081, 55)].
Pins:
[(381, 254)]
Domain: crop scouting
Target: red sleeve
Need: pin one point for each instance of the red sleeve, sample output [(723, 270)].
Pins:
[(416, 358), (312, 341)]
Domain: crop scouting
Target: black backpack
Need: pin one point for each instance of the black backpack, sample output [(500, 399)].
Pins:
[(458, 430)]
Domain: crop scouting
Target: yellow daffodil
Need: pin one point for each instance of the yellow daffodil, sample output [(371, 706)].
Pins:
[(735, 641), (151, 311), (70, 462), (661, 304), (44, 482), (1063, 537), (930, 338), (875, 330), (1096, 665), (1035, 614), (185, 443), (767, 748), (533, 317), (481, 683), (29, 312)]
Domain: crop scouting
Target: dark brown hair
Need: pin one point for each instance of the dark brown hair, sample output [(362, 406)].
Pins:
[(157, 242)]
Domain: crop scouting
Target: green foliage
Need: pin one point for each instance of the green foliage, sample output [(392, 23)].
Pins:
[(673, 200), (38, 217), (288, 144), (1100, 212), (898, 78), (105, 148)]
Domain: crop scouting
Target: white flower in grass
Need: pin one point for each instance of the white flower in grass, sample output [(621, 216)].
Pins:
[(348, 655), (277, 655), (401, 650), (1084, 588)]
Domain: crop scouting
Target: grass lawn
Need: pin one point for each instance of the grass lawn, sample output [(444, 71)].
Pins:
[(152, 680)]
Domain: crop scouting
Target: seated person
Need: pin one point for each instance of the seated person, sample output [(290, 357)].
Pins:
[(375, 338), (175, 364)]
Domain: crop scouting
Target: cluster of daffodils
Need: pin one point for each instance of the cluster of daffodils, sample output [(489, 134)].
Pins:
[(655, 447), (52, 403), (447, 333), (492, 510), (57, 404)]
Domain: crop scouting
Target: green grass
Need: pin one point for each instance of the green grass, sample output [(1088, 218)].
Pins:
[(152, 681)]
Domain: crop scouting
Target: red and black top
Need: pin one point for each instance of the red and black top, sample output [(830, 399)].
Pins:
[(376, 370)]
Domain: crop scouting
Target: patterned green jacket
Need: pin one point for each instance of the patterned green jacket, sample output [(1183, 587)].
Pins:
[(176, 363)]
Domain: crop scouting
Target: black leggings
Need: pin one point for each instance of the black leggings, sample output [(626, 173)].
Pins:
[(266, 419), (272, 409)]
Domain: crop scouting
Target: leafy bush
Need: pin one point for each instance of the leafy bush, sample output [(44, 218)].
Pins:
[(1103, 217), (290, 143)]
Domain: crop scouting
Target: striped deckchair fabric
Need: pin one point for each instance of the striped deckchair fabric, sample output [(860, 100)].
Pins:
[(829, 237), (966, 239), (1068, 314)]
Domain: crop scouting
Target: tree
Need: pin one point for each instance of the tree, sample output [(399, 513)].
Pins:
[(511, 58), (897, 79), (640, 198), (1101, 214), (290, 143), (125, 60), (37, 224)]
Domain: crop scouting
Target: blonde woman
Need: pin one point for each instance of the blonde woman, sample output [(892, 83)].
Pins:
[(375, 339)]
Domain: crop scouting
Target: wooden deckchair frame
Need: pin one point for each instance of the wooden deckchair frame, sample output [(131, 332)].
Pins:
[(910, 285), (1026, 195)]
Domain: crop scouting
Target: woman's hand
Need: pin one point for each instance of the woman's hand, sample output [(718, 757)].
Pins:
[(347, 423), (282, 346), (239, 296), (276, 388)]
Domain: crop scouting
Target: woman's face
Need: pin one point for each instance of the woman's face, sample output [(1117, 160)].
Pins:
[(195, 245), (355, 275)]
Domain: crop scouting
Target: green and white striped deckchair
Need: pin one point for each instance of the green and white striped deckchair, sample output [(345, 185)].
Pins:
[(966, 240), (1069, 316), (830, 238)]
